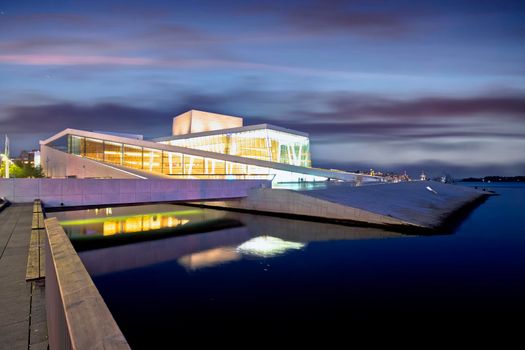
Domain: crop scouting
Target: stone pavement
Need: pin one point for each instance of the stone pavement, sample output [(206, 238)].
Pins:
[(22, 304)]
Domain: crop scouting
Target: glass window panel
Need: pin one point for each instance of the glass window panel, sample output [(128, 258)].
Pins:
[(61, 144), (94, 149), (235, 168), (172, 163), (209, 167), (77, 145), (215, 166), (193, 165), (132, 156), (152, 160), (113, 152)]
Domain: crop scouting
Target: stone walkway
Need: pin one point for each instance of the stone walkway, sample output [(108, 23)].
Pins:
[(22, 304)]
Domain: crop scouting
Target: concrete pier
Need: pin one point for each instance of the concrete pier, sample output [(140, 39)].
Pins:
[(405, 205), (22, 304), (77, 192)]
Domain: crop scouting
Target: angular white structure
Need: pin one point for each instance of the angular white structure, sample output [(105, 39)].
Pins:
[(203, 146)]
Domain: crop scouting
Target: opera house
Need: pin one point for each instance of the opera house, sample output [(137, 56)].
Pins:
[(202, 145)]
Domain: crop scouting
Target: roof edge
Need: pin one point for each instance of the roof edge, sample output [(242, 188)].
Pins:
[(231, 130)]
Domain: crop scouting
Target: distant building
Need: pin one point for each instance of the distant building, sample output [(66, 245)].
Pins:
[(202, 145), (29, 157)]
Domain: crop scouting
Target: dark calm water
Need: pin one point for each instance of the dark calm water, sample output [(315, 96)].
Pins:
[(271, 271)]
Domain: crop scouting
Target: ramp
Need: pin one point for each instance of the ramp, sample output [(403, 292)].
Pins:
[(417, 204)]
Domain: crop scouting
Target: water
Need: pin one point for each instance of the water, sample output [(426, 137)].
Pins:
[(275, 272)]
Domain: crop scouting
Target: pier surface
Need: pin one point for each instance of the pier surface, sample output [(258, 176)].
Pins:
[(22, 304), (416, 204)]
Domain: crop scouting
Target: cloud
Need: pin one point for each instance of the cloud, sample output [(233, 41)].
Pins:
[(103, 35), (513, 106), (50, 43), (223, 61), (377, 117), (53, 118), (38, 18), (66, 60), (380, 19), (432, 168), (430, 117), (176, 33), (325, 16), (471, 129), (317, 16)]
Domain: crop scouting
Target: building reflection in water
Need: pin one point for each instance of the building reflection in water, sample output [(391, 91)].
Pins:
[(257, 236), (141, 223), (121, 220), (209, 258)]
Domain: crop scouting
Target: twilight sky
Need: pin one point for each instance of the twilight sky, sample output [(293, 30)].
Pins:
[(393, 85)]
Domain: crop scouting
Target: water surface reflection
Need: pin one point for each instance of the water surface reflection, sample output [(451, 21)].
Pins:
[(271, 272), (246, 237)]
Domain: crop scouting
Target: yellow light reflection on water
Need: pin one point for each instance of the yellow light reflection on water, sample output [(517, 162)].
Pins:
[(110, 225), (134, 224), (110, 228)]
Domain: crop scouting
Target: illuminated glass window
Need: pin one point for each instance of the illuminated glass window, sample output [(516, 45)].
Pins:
[(193, 165), (214, 166), (152, 160), (236, 168), (263, 144), (113, 152), (94, 149), (172, 163), (132, 156)]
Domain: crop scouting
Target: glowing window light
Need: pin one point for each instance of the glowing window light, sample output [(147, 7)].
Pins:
[(88, 221), (267, 246), (134, 224), (109, 228), (155, 222)]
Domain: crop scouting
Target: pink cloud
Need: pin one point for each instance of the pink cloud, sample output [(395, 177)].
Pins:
[(73, 60), (49, 60)]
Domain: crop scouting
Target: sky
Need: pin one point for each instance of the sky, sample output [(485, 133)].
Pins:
[(437, 86)]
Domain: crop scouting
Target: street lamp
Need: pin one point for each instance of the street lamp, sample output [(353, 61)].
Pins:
[(5, 157)]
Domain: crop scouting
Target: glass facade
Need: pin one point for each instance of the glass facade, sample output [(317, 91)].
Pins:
[(113, 152), (132, 156), (152, 160), (178, 165), (171, 163), (264, 144), (94, 149)]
